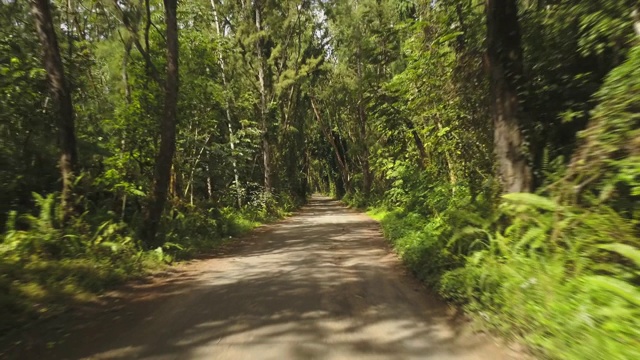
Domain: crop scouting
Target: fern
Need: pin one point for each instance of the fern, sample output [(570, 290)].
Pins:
[(630, 252), (532, 238), (533, 200), (618, 287)]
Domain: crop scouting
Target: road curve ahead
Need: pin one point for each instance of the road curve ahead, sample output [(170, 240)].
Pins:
[(319, 285)]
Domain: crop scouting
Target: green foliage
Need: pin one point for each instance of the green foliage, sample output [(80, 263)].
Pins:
[(540, 267), (400, 121), (114, 61), (355, 199), (608, 163), (544, 271), (193, 230), (44, 267), (420, 230)]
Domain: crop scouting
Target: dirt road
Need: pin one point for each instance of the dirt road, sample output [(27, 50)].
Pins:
[(319, 285)]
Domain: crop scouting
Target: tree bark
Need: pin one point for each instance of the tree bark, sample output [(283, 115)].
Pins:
[(164, 160), (52, 61), (367, 177), (266, 151), (128, 44), (234, 162), (504, 55)]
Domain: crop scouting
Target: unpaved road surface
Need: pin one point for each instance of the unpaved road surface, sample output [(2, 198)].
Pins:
[(319, 285)]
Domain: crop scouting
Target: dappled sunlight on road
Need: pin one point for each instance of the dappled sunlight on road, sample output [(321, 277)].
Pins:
[(320, 285)]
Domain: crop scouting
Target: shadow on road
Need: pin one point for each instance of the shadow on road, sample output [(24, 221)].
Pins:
[(321, 284)]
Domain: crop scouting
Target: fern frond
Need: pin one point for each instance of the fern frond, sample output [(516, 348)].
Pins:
[(630, 252)]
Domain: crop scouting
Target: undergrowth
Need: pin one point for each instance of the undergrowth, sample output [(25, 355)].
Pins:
[(44, 268), (564, 280), (558, 270), (552, 272)]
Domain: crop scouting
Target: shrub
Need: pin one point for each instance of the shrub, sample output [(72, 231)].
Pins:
[(553, 271)]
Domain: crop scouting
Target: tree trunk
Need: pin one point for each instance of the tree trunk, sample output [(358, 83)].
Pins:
[(127, 96), (234, 162), (125, 75), (505, 66), (266, 151), (362, 128), (366, 169), (209, 182), (164, 160), (61, 90)]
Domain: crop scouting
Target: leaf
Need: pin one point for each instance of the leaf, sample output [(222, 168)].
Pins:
[(111, 245), (136, 192), (448, 37), (477, 257), (97, 235), (630, 252), (443, 131), (615, 286), (469, 230), (170, 245), (533, 200), (532, 237)]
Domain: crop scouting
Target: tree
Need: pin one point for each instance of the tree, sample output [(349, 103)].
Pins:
[(164, 159), (504, 55), (41, 10), (260, 44), (227, 110), (431, 109)]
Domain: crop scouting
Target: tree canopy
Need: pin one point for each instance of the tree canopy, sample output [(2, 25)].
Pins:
[(498, 141)]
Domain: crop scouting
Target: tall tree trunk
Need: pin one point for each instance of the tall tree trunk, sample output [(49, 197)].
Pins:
[(127, 96), (209, 182), (164, 160), (147, 47), (234, 162), (266, 152), (41, 11), (362, 128), (505, 66), (125, 74)]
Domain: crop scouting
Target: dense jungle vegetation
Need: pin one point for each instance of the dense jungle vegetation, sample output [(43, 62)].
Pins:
[(497, 141)]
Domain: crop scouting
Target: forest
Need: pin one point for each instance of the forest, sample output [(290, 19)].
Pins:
[(497, 142)]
